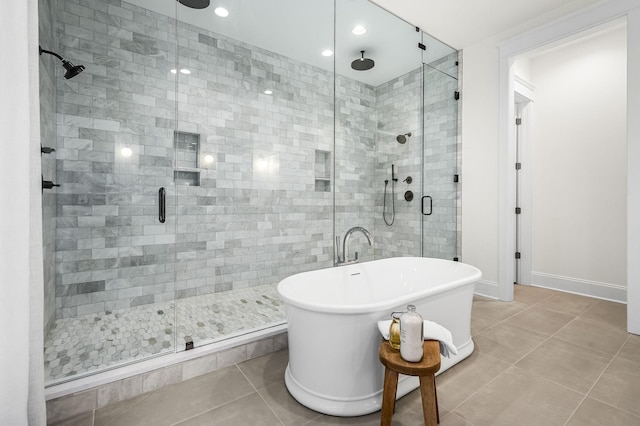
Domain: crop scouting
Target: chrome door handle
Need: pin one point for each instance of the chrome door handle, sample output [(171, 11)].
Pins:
[(162, 204)]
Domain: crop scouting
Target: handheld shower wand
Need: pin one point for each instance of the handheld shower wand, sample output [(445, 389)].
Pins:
[(393, 197)]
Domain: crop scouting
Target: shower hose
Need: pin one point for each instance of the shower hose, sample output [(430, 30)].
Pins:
[(393, 204)]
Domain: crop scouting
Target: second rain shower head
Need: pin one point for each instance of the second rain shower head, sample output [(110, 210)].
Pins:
[(72, 70), (403, 138), (195, 4), (362, 63)]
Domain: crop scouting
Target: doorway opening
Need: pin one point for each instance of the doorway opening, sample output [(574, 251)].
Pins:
[(574, 154)]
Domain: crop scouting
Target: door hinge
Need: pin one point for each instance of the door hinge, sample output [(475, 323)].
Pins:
[(456, 95), (518, 166), (422, 46), (517, 255), (456, 178), (518, 210), (518, 121)]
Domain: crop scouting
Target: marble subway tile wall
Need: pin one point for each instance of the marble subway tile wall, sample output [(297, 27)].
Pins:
[(48, 136), (398, 108), (254, 211), (111, 252), (355, 164), (256, 216)]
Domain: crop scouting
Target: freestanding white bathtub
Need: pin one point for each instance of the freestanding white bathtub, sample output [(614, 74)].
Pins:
[(332, 317)]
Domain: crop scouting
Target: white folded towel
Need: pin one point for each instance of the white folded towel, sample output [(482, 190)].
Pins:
[(432, 331)]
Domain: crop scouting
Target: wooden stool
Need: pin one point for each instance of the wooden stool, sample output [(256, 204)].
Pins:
[(424, 369)]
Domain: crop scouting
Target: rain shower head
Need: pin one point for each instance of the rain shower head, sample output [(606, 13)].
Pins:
[(362, 63), (403, 138), (72, 70), (195, 4)]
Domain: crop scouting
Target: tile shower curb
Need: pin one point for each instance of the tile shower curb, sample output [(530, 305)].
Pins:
[(83, 395)]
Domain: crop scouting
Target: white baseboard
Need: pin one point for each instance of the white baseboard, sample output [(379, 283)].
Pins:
[(600, 290), (489, 289)]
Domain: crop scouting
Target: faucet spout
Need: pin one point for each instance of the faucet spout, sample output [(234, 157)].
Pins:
[(345, 244)]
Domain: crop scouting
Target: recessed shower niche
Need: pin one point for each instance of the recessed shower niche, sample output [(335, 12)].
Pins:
[(187, 146), (323, 171)]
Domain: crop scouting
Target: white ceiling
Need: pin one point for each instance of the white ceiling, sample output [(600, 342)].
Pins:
[(461, 23), (302, 29)]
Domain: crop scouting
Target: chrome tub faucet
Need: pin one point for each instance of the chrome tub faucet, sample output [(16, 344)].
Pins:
[(343, 258)]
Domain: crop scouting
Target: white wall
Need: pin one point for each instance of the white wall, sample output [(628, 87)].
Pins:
[(579, 186), (21, 281), (485, 66), (479, 176), (633, 171), (522, 68)]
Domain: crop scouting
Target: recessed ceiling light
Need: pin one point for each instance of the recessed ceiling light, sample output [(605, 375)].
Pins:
[(185, 71), (327, 52), (359, 30), (208, 158), (126, 152), (174, 71), (221, 12), (268, 92)]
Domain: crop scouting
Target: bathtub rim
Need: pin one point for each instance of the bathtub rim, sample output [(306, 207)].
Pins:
[(352, 309)]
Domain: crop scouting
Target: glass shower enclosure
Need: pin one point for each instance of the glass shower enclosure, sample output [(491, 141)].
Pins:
[(440, 203), (202, 159)]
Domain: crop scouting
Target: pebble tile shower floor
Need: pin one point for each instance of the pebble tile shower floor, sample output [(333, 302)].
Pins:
[(93, 342)]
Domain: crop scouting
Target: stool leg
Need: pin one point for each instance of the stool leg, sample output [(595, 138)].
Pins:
[(428, 394), (435, 392), (388, 396)]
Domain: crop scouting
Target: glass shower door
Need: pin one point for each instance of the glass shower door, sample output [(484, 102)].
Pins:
[(253, 175), (111, 300), (440, 200)]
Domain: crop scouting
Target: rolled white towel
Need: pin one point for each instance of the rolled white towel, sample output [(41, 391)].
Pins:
[(432, 331)]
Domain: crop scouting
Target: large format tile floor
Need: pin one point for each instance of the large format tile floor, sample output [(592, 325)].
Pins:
[(547, 358)]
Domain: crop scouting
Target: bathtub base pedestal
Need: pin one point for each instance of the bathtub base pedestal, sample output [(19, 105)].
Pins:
[(369, 403)]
